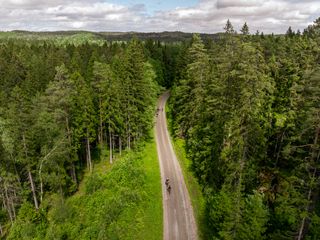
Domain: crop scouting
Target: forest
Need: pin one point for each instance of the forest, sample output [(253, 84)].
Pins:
[(64, 107), (246, 105)]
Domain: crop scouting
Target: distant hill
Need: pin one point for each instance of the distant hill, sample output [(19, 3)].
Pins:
[(161, 36), (110, 36)]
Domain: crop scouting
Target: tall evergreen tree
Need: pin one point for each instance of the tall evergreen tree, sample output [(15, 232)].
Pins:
[(229, 28), (245, 29)]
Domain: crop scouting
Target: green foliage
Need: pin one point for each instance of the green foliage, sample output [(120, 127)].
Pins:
[(60, 101), (93, 183), (255, 217), (248, 109), (115, 205), (245, 29), (229, 28), (30, 224)]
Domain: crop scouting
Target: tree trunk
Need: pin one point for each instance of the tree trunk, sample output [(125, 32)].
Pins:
[(12, 204), (113, 143), (6, 204), (89, 162), (129, 137), (128, 131), (60, 190), (100, 135), (30, 175), (73, 173), (279, 148), (120, 146), (129, 142), (13, 208), (110, 144), (73, 170), (41, 183), (33, 189)]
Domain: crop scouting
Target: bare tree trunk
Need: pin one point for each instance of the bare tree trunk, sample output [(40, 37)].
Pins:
[(127, 134), (41, 182), (6, 204), (1, 231), (73, 169), (73, 173), (120, 145), (13, 208), (12, 204), (113, 143), (100, 135), (128, 122), (89, 162), (40, 169), (110, 144), (15, 168), (33, 189), (30, 176), (129, 137)]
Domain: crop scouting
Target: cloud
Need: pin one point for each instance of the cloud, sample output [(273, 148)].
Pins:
[(239, 3), (64, 15), (206, 16), (263, 15)]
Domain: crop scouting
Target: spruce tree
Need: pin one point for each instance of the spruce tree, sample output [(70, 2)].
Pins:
[(245, 29)]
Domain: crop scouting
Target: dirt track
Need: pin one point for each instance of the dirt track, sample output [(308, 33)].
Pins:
[(178, 218)]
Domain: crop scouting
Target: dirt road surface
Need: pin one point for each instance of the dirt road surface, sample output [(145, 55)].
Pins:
[(178, 217)]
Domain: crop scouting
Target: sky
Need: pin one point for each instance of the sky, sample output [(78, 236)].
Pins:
[(206, 16)]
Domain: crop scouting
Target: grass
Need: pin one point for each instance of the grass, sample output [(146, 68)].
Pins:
[(194, 189), (141, 220), (152, 218), (118, 201)]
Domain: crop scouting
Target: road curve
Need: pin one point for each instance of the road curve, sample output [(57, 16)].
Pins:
[(178, 218)]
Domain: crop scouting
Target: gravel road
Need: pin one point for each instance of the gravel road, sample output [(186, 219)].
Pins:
[(178, 217)]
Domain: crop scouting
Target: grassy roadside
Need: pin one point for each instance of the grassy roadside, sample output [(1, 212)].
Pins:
[(153, 212), (118, 201), (194, 189), (150, 212)]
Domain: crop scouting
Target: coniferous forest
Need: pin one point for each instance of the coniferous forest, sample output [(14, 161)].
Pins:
[(60, 106), (248, 107), (246, 104)]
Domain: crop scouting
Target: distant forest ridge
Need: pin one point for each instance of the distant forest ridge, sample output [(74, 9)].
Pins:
[(110, 36)]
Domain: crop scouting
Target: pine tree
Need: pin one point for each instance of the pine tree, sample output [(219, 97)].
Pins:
[(20, 122), (60, 100), (310, 134), (229, 28), (84, 122), (290, 33), (245, 29)]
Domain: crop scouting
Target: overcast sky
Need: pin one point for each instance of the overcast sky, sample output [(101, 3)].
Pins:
[(155, 15)]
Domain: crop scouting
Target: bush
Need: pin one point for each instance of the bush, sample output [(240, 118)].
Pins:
[(93, 183)]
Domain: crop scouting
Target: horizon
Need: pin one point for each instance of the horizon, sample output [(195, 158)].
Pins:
[(76, 31), (201, 16)]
